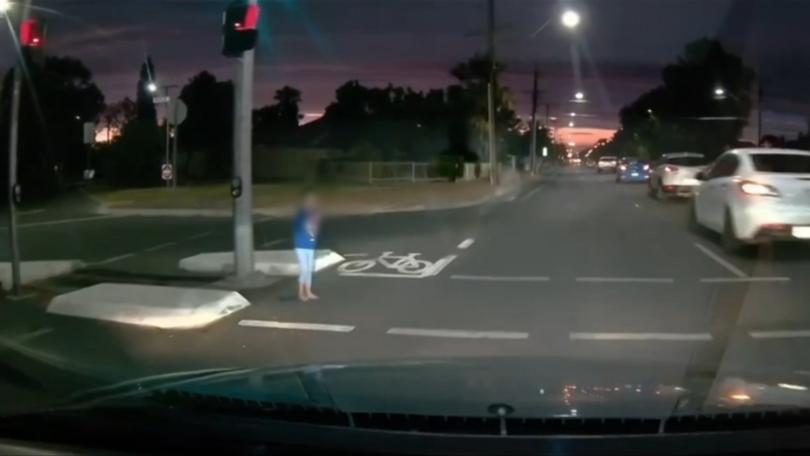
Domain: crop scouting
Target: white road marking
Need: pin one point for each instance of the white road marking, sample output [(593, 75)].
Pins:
[(744, 279), (275, 242), (354, 255), (72, 220), (116, 258), (32, 335), (625, 279), (530, 194), (291, 325), (466, 243), (199, 236), (160, 246), (720, 260), (457, 334), (32, 211), (780, 334), (671, 337), (499, 278)]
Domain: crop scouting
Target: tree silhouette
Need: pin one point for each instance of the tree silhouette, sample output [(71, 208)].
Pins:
[(683, 113)]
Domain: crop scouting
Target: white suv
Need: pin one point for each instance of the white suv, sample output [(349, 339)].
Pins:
[(755, 195), (606, 163), (675, 174)]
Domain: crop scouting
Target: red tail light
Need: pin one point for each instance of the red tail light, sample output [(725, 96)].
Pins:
[(670, 168)]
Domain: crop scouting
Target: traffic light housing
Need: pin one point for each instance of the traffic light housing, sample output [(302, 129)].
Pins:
[(239, 28), (32, 33)]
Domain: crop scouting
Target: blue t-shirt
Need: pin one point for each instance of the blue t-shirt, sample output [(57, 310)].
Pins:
[(302, 239)]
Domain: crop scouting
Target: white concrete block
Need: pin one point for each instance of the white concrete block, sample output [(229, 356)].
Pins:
[(32, 271), (271, 262), (149, 305)]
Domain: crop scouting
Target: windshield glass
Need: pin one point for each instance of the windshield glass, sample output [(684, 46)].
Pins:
[(383, 187), (781, 163)]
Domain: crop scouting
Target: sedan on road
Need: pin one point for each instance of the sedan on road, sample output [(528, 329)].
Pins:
[(633, 171), (755, 195), (675, 175), (606, 163)]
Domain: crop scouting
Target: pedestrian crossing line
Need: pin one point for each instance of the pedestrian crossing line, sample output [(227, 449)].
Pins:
[(625, 279), (743, 279), (466, 243), (780, 334), (294, 325)]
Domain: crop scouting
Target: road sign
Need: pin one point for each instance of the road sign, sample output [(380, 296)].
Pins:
[(178, 111), (89, 129), (163, 99), (166, 171)]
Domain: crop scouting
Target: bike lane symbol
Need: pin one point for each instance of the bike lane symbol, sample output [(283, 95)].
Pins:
[(408, 266)]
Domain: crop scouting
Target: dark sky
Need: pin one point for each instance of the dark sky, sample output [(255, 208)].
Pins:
[(316, 45)]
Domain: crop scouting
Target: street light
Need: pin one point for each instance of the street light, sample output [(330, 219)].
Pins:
[(719, 92), (579, 96), (5, 5), (573, 114), (151, 87), (570, 19), (571, 124)]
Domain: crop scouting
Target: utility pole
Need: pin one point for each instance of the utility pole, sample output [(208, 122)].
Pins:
[(13, 145), (533, 150), (244, 264), (759, 110), (167, 91), (491, 89)]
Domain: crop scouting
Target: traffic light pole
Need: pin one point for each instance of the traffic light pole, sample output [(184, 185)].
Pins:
[(13, 144), (491, 88), (244, 265)]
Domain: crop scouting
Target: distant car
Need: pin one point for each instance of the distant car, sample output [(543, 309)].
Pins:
[(675, 175), (633, 171), (754, 195), (607, 163)]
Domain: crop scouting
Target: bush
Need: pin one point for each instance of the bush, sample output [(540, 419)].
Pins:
[(451, 166)]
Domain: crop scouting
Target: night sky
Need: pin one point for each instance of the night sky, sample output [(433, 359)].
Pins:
[(316, 45)]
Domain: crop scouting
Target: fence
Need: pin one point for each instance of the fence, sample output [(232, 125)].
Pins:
[(380, 172)]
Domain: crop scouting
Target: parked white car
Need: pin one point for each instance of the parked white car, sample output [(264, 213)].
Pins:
[(676, 175), (755, 195)]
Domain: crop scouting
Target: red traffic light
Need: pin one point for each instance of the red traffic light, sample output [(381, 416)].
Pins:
[(32, 33)]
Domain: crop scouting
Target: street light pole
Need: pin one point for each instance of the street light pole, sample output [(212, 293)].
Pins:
[(491, 88), (244, 265), (13, 144), (533, 150)]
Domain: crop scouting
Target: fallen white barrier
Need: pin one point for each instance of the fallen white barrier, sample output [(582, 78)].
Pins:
[(149, 305)]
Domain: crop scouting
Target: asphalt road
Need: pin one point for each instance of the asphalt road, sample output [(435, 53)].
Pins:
[(576, 268)]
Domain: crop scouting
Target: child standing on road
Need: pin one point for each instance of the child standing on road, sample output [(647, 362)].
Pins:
[(305, 234)]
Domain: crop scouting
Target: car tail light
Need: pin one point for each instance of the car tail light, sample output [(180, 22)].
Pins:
[(623, 167), (757, 189), (670, 168)]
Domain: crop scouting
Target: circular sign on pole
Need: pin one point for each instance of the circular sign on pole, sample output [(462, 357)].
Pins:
[(166, 171), (178, 111)]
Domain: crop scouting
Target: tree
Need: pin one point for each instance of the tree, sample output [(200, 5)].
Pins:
[(146, 107), (683, 113), (207, 133), (278, 123), (288, 100), (116, 115), (59, 97)]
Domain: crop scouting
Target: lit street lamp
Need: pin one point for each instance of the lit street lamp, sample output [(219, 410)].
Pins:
[(5, 5), (571, 124), (151, 87), (570, 19), (579, 96)]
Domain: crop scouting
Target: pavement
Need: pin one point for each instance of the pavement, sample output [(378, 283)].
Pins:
[(575, 268)]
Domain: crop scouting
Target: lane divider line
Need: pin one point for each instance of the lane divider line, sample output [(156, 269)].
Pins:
[(670, 337), (625, 279), (457, 334), (293, 325), (499, 278), (159, 246), (116, 258), (199, 236), (720, 260), (71, 220), (274, 242), (780, 334), (744, 279), (466, 243)]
